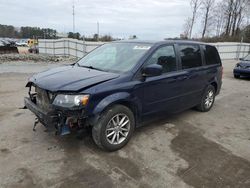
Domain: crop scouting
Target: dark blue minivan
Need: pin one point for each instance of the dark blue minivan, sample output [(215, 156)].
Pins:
[(114, 88)]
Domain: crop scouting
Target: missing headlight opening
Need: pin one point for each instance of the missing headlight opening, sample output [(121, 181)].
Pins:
[(56, 109)]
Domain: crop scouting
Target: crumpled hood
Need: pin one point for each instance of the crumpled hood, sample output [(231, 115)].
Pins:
[(70, 78)]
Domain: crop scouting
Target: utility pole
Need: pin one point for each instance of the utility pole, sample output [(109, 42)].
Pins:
[(97, 31), (73, 16)]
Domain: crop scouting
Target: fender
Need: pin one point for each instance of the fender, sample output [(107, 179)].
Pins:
[(108, 101), (111, 99), (114, 99)]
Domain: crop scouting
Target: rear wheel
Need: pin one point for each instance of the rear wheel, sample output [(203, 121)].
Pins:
[(114, 128), (207, 100)]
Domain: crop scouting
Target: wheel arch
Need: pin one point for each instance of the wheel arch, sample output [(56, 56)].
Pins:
[(122, 98), (215, 85)]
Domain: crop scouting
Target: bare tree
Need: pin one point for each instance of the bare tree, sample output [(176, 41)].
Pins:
[(248, 13), (238, 15), (195, 5), (219, 17), (228, 12), (236, 12), (228, 17), (207, 6), (186, 28)]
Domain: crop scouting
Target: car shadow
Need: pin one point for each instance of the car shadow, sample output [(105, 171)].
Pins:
[(244, 78)]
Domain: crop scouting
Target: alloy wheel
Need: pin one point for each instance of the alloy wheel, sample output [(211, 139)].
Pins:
[(118, 129), (209, 99)]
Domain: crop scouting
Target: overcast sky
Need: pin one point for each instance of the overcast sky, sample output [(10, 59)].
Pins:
[(148, 19)]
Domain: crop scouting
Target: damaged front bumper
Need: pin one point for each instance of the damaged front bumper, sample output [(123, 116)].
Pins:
[(45, 117), (61, 121)]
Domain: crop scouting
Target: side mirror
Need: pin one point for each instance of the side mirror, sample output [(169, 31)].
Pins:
[(152, 70), (241, 59)]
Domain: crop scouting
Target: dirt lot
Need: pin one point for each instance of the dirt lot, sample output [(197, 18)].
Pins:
[(191, 149)]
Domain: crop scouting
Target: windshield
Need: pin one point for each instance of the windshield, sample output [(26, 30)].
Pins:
[(247, 58), (115, 57)]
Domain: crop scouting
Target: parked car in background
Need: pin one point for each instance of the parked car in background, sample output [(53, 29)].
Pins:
[(8, 46), (117, 86), (243, 67), (22, 42)]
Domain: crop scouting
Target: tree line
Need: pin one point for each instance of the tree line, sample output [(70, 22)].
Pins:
[(27, 32), (95, 37), (46, 33), (225, 20)]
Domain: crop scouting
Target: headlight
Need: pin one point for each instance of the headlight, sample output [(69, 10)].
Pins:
[(71, 101)]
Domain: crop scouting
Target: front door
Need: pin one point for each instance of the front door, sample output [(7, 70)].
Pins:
[(162, 93)]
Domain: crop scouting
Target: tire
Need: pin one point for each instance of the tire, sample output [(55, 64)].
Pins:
[(236, 76), (107, 127), (207, 100)]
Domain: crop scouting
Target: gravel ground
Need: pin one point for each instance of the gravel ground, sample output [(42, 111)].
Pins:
[(4, 58), (190, 149)]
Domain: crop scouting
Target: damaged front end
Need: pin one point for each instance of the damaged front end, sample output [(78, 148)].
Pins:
[(61, 112)]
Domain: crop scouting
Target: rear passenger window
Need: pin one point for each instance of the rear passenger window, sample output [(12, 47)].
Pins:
[(164, 56), (211, 55), (190, 56)]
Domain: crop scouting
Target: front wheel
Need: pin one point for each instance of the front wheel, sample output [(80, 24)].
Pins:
[(236, 76), (114, 128), (207, 100)]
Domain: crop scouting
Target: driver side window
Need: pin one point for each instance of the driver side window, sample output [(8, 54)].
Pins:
[(164, 56)]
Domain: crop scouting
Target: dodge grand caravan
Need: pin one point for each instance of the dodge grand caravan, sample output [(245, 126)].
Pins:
[(115, 87)]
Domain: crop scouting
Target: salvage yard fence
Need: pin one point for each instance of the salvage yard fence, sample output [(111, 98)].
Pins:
[(230, 51), (66, 47), (78, 48)]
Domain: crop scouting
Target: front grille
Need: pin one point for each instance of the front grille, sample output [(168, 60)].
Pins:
[(42, 99)]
